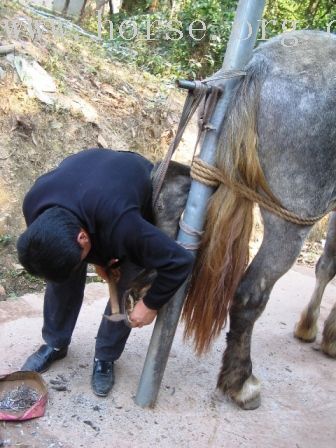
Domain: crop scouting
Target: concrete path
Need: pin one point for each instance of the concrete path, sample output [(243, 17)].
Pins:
[(298, 395)]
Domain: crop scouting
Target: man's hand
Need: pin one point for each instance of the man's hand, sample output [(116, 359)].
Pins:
[(142, 315)]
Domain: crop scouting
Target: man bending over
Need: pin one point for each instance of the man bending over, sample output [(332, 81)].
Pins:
[(95, 207)]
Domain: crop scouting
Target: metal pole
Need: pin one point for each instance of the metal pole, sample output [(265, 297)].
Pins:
[(238, 52)]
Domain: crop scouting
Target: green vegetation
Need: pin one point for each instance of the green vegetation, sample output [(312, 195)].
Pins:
[(5, 240), (159, 50)]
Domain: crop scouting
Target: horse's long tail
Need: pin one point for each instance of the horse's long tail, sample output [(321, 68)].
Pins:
[(224, 251)]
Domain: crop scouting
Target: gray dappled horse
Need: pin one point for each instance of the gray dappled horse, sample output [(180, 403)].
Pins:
[(278, 138)]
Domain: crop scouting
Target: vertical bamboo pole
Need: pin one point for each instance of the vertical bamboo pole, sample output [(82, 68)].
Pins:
[(238, 52)]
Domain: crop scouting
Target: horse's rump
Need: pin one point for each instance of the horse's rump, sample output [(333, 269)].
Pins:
[(278, 138)]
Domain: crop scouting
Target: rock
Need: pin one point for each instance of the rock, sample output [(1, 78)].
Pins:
[(59, 388), (39, 83), (56, 125), (102, 142), (18, 267), (2, 73), (77, 106), (5, 49), (93, 426), (32, 74), (2, 293), (4, 225), (42, 96)]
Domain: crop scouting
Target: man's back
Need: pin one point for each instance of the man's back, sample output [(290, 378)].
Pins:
[(92, 183)]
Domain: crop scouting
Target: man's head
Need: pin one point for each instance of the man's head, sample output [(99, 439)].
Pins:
[(54, 245)]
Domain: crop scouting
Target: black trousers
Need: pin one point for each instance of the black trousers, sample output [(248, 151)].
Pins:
[(62, 304)]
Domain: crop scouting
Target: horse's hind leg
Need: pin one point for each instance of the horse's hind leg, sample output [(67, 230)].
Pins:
[(328, 344), (306, 328), (280, 247)]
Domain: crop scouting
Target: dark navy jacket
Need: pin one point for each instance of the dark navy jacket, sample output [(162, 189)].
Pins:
[(110, 193)]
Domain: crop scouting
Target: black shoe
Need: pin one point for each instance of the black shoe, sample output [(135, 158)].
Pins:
[(102, 377), (41, 360)]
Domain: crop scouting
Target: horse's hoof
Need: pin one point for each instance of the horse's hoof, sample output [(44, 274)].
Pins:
[(305, 334), (114, 317), (248, 397), (252, 404), (329, 349)]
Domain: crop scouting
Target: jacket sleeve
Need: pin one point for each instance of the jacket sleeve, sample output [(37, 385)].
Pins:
[(148, 247)]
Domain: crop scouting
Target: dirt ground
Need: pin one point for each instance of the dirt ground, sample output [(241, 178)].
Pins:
[(298, 394)]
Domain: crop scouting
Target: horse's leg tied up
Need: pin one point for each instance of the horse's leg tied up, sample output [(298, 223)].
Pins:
[(115, 316)]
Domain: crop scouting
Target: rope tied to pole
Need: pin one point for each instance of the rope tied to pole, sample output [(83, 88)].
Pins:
[(198, 90), (212, 176), (191, 104), (190, 231)]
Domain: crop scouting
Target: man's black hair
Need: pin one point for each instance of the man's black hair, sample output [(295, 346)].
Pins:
[(49, 248)]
